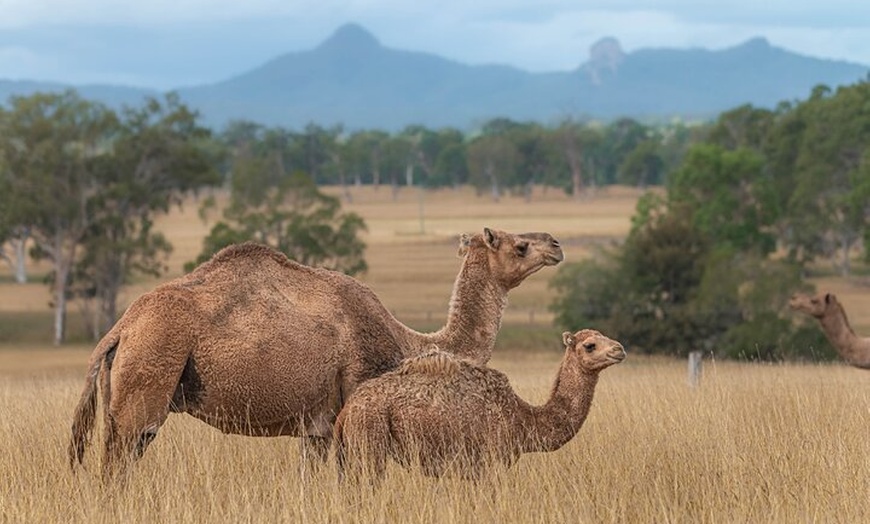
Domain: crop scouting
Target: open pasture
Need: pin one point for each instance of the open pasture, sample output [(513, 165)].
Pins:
[(754, 443), (412, 267), (412, 271)]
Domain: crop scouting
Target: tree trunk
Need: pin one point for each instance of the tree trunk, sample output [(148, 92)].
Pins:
[(60, 280), (21, 260), (108, 313), (845, 266), (376, 171), (493, 179), (409, 175), (576, 177)]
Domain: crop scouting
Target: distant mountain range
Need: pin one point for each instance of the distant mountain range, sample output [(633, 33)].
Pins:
[(352, 79)]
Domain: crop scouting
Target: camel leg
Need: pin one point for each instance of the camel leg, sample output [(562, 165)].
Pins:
[(362, 450), (139, 388), (356, 462)]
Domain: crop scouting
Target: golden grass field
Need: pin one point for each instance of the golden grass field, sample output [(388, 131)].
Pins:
[(754, 443)]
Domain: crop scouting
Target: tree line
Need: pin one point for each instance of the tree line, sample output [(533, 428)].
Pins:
[(83, 183)]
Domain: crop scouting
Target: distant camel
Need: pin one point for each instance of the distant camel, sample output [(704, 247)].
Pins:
[(832, 317), (253, 343), (447, 414)]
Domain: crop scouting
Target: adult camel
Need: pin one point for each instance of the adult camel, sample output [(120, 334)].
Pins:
[(832, 318)]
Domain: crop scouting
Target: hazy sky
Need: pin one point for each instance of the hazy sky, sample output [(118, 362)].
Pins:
[(170, 43)]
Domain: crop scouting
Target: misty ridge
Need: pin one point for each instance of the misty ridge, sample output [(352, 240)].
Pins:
[(353, 80)]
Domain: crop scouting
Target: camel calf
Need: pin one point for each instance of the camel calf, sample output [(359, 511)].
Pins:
[(445, 414)]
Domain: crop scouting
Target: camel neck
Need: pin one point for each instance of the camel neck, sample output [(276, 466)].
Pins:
[(556, 422), (853, 349), (474, 317)]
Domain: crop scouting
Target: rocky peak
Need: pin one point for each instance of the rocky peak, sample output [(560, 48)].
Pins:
[(351, 37), (605, 56)]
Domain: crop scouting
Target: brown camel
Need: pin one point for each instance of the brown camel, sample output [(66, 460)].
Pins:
[(829, 312), (447, 414), (253, 343)]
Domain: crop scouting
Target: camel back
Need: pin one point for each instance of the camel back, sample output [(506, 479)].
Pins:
[(432, 363)]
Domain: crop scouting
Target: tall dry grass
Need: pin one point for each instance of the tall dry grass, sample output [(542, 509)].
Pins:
[(754, 443), (781, 443)]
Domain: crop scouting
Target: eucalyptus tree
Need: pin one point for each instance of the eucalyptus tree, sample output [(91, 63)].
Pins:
[(828, 207), (643, 166), (14, 228), (728, 196), (493, 157), (158, 154), (620, 138), (49, 146), (295, 218), (365, 151)]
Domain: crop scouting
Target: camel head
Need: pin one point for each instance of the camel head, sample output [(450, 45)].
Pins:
[(512, 258), (591, 350), (816, 305)]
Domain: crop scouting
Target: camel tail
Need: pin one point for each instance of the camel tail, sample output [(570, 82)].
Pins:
[(86, 410)]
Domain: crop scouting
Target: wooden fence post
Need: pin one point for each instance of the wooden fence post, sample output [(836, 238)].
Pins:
[(695, 368)]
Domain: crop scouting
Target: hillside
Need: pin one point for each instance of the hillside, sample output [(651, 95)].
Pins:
[(351, 78)]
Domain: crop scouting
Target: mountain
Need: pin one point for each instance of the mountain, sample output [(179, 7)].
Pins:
[(352, 79)]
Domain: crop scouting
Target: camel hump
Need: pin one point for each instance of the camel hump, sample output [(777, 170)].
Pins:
[(248, 250), (433, 362)]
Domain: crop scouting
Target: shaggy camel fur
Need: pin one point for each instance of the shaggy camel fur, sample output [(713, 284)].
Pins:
[(253, 343), (832, 317), (447, 414)]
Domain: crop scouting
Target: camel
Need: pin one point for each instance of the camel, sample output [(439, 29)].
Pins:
[(829, 312), (449, 415), (253, 343)]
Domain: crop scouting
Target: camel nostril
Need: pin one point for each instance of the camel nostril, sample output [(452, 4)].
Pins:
[(555, 243)]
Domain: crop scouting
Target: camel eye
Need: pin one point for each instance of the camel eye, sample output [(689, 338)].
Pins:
[(522, 249), (590, 347)]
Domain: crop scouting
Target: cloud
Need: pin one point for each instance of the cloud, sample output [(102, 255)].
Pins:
[(167, 43), (21, 63), (18, 13)]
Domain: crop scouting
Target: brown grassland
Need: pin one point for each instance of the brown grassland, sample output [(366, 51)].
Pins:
[(754, 443)]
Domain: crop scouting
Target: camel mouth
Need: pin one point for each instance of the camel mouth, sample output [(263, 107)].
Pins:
[(617, 357), (551, 259)]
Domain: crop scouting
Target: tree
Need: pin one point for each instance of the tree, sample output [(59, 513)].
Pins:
[(50, 146), (827, 210), (620, 139), (364, 156), (286, 211), (157, 156), (729, 196), (15, 213), (451, 166), (491, 159), (670, 289), (643, 166), (581, 148)]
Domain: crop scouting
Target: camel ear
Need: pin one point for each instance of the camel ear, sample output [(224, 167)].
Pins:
[(568, 339), (464, 242), (828, 298), (492, 240)]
